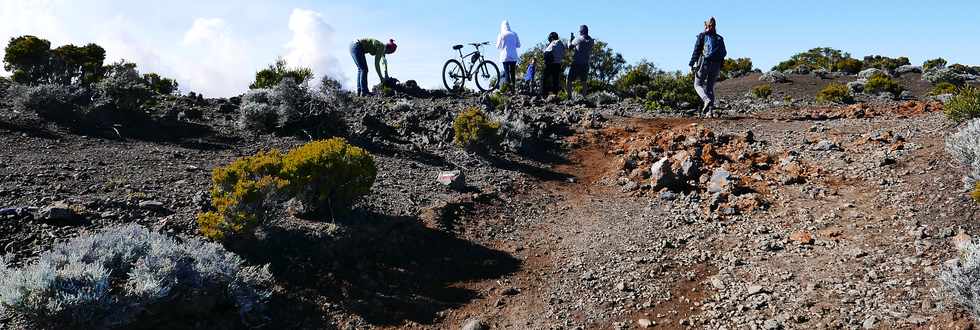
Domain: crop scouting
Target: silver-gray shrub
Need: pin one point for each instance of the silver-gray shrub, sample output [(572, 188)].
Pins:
[(108, 278), (268, 109), (961, 280), (964, 146), (47, 100)]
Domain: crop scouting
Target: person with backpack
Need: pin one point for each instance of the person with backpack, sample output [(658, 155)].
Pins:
[(358, 50), (709, 54), (508, 43), (553, 56), (582, 45)]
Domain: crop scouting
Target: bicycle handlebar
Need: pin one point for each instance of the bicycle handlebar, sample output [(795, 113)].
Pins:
[(478, 44)]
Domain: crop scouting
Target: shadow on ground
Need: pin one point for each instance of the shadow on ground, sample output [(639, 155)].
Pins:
[(388, 270)]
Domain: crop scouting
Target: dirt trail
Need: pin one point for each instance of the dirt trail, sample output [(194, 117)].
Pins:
[(595, 257)]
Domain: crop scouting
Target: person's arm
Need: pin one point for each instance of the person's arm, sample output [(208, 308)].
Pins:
[(377, 66), (698, 46), (518, 40)]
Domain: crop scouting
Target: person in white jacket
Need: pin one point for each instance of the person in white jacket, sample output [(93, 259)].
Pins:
[(508, 43)]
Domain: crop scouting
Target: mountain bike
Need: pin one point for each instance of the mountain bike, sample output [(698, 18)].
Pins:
[(485, 73)]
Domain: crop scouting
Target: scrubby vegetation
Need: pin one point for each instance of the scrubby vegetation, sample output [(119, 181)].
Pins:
[(885, 63), (848, 65), (835, 93), (322, 177), (658, 89), (964, 146), (936, 63), (474, 131), (733, 68), (762, 91), (274, 74), (943, 88), (965, 105), (606, 66), (960, 280), (881, 83), (128, 275), (814, 59)]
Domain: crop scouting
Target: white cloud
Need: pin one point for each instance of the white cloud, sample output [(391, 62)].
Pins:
[(216, 60), (309, 44)]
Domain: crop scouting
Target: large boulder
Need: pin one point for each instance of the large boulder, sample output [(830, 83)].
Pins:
[(721, 181), (857, 86), (662, 174), (868, 73), (774, 77), (943, 75), (905, 69)]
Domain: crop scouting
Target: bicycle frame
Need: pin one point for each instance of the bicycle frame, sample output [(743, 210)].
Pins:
[(468, 66)]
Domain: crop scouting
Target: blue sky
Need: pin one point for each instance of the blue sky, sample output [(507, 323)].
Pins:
[(215, 46)]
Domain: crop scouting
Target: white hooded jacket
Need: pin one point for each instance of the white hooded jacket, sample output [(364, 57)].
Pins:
[(508, 43)]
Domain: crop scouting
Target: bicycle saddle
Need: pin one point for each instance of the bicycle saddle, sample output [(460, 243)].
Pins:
[(457, 47)]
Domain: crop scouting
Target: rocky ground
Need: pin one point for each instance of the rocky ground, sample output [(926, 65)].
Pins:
[(778, 215)]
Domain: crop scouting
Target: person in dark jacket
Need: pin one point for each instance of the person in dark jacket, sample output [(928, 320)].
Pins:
[(582, 45), (553, 56), (358, 50), (709, 54)]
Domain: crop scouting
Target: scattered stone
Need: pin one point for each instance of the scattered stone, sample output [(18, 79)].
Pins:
[(57, 211), (474, 324), (802, 237), (720, 181), (452, 179), (645, 323), (870, 322), (755, 289), (152, 205), (868, 73), (826, 145)]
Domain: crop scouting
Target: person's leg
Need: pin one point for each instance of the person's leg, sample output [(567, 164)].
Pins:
[(510, 70), (355, 54), (699, 87), (584, 78), (572, 74), (709, 88)]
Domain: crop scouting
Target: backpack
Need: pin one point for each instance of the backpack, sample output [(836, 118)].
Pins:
[(714, 48)]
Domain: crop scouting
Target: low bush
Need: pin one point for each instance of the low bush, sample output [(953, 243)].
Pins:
[(328, 176), (835, 93), (497, 100), (267, 110), (964, 105), (242, 195), (322, 177), (961, 279), (634, 82), (48, 101), (881, 83), (964, 69), (849, 66), (474, 131), (762, 91), (274, 74), (813, 59), (942, 75), (672, 90), (885, 63), (936, 63), (733, 68), (943, 88), (128, 275), (964, 147)]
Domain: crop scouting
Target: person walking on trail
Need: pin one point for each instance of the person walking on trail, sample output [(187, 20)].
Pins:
[(553, 56), (709, 54), (508, 43), (582, 45), (379, 50)]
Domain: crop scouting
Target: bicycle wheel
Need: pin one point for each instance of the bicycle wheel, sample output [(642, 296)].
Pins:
[(487, 76), (453, 76)]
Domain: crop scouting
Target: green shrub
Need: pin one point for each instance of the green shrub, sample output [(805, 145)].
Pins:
[(328, 176), (813, 59), (32, 62), (943, 88), (673, 90), (498, 100), (885, 63), (880, 83), (964, 105), (848, 65), (272, 75), (634, 82), (325, 177), (242, 194), (762, 91), (835, 93), (129, 277), (732, 68), (474, 131), (160, 85), (964, 69), (937, 63)]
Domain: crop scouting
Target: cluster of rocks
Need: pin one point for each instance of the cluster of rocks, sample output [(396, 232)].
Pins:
[(869, 110), (730, 171)]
